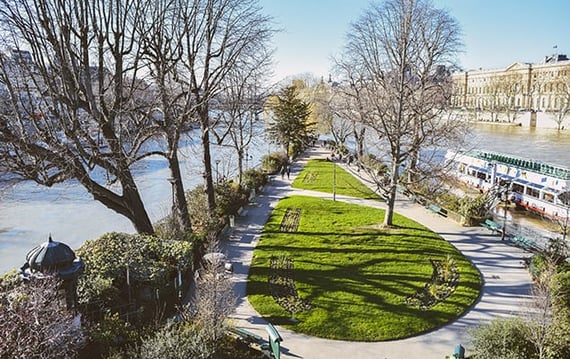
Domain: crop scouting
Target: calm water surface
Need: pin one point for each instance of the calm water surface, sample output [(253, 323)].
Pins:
[(545, 145)]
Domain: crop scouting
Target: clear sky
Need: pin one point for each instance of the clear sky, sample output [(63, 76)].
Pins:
[(496, 33)]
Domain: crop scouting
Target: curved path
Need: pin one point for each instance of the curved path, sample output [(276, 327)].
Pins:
[(506, 281)]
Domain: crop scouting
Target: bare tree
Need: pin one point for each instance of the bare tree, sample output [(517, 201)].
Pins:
[(35, 322), (330, 115), (214, 300), (539, 313), (492, 101), (170, 105), (239, 106), (71, 109), (504, 91), (350, 101), (402, 48), (561, 89), (218, 36)]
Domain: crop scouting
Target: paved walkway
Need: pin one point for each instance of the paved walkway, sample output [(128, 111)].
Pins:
[(506, 282)]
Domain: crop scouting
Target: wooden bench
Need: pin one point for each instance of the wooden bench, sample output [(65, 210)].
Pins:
[(524, 243), (246, 336), (437, 209), (270, 348), (490, 225)]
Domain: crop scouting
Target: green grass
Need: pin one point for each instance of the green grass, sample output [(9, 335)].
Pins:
[(318, 175), (356, 275)]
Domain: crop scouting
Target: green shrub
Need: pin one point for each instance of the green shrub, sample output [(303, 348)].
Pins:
[(151, 262), (9, 280), (253, 179), (272, 162), (504, 338), (184, 340), (560, 288), (374, 164), (538, 265), (229, 197)]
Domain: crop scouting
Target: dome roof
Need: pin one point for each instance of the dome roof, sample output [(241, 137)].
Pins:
[(50, 256)]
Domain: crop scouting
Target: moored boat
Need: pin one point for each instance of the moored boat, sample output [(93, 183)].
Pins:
[(537, 186)]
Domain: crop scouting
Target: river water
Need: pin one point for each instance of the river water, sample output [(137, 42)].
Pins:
[(29, 213), (547, 145)]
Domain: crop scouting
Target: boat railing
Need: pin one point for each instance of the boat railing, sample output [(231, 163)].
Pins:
[(530, 165)]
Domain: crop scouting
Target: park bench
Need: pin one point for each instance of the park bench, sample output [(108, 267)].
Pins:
[(490, 225), (271, 349), (524, 243), (437, 209), (246, 336)]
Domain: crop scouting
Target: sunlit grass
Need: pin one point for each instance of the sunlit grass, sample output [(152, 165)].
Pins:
[(355, 274), (319, 175)]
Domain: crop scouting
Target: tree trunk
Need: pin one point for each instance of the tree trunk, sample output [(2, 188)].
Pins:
[(129, 204), (412, 168), (391, 200), (240, 165), (359, 138), (207, 160), (179, 205)]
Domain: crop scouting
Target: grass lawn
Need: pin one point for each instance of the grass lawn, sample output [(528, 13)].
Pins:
[(355, 275), (318, 175)]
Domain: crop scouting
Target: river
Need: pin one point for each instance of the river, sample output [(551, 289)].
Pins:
[(29, 213)]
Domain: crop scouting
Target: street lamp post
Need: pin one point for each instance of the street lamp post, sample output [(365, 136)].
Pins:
[(217, 173), (172, 181), (173, 218), (505, 199), (334, 180)]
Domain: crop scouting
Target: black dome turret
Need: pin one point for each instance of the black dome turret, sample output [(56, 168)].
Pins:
[(50, 256)]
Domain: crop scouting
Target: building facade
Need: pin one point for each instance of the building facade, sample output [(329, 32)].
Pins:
[(542, 87)]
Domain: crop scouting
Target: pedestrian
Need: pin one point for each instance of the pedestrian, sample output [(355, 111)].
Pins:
[(288, 171), (283, 171)]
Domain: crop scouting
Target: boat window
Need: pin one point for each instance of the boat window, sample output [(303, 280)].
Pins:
[(532, 192), (518, 188), (482, 175), (548, 197)]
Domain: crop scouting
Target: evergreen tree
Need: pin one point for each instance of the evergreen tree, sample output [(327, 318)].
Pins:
[(290, 126)]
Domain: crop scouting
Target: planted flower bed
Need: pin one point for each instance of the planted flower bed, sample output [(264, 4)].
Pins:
[(442, 284)]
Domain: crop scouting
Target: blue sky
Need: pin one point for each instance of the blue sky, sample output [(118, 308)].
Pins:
[(496, 33)]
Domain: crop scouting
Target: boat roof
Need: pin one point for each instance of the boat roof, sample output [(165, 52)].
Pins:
[(542, 168)]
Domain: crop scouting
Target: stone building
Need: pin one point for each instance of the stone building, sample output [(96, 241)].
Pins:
[(521, 87)]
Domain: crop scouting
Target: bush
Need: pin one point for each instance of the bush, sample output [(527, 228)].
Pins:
[(372, 163), (560, 291), (34, 321), (272, 162), (230, 196), (151, 262), (504, 338), (538, 266), (253, 179), (184, 340)]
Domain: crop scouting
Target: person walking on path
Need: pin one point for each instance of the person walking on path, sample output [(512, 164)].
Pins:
[(283, 170), (288, 172)]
